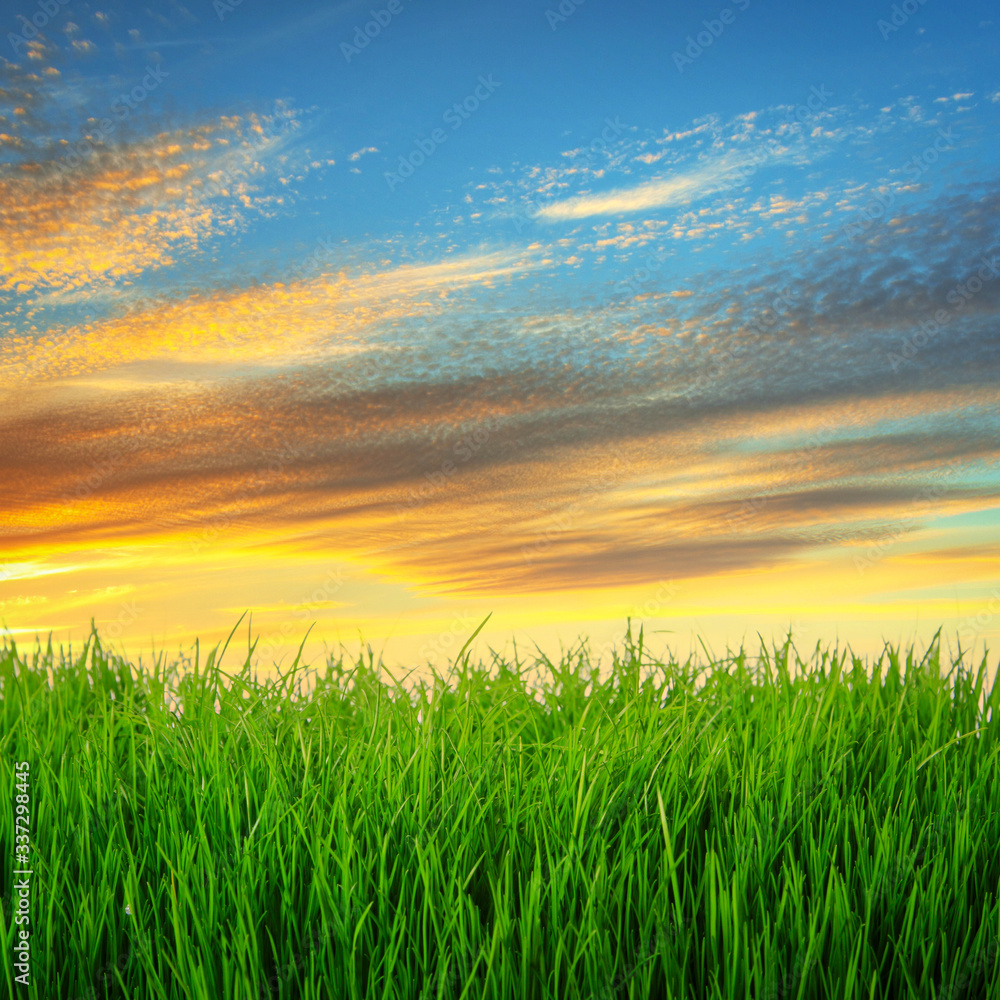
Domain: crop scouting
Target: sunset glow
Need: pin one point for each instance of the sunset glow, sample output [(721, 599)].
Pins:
[(499, 313)]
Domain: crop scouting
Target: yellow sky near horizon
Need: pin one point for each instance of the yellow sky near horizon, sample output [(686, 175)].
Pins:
[(245, 367)]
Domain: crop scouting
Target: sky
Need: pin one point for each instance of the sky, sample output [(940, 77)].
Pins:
[(381, 318)]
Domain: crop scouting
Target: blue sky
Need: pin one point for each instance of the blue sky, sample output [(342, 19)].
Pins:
[(524, 308)]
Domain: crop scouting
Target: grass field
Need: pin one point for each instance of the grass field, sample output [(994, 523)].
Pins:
[(760, 827)]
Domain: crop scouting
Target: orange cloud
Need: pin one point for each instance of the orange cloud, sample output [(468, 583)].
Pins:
[(482, 485), (283, 324), (70, 223)]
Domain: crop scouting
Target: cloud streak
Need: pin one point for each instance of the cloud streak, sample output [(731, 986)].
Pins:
[(464, 411), (282, 324), (665, 192)]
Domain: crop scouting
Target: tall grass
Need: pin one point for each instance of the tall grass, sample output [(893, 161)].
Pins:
[(759, 827)]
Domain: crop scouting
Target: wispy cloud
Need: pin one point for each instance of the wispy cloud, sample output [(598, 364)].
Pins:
[(283, 324), (714, 175), (482, 414)]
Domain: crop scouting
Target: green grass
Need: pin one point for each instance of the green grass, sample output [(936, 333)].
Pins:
[(743, 829)]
